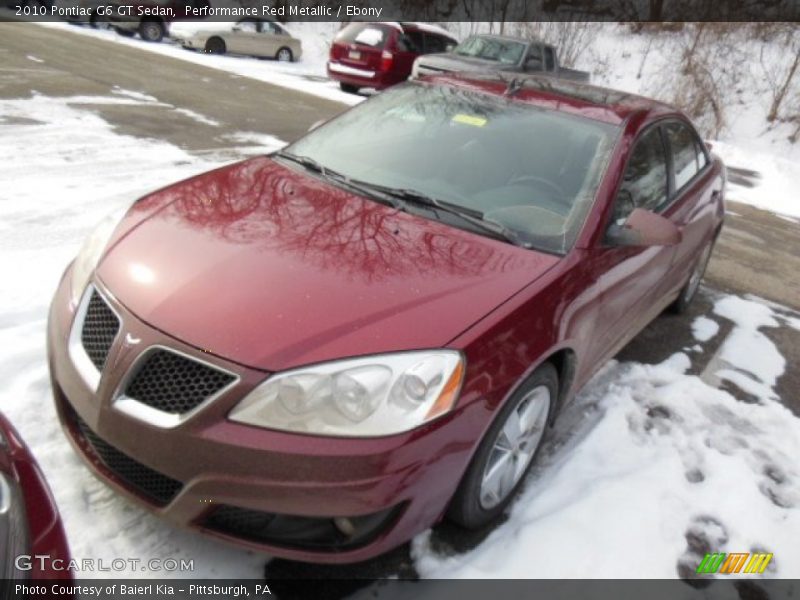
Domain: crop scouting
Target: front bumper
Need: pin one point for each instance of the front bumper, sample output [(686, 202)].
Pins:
[(398, 485)]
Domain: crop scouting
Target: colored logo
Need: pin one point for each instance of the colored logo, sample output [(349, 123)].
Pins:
[(734, 562)]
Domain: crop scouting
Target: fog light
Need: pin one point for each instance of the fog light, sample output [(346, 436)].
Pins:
[(345, 525)]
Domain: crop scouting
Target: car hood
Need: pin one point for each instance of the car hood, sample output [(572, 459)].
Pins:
[(271, 268), (448, 62)]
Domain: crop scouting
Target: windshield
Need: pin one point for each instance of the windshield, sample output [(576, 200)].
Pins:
[(530, 170), (489, 48)]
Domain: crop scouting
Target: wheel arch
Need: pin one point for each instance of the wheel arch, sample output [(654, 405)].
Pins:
[(565, 362)]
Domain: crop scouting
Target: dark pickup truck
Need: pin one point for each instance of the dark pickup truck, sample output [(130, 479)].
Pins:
[(497, 53)]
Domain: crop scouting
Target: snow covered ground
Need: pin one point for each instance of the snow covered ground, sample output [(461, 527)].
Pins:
[(64, 169), (649, 455), (646, 458)]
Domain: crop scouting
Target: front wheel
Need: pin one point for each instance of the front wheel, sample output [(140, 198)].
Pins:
[(689, 291), (284, 55), (506, 452), (215, 46), (151, 31)]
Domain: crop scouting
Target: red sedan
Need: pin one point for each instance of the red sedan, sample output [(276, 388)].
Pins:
[(32, 541), (323, 352)]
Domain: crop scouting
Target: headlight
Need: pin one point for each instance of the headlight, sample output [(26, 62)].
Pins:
[(360, 397), (90, 254)]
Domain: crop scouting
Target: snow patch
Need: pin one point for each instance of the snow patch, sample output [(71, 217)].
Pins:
[(82, 171), (257, 142), (646, 456), (778, 187), (704, 328), (197, 117), (135, 95)]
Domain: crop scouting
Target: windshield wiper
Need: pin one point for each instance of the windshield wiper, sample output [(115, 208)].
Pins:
[(470, 215), (394, 197), (310, 164), (361, 187)]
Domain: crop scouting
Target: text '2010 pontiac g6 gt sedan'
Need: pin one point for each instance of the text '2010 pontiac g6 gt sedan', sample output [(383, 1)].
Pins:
[(323, 352)]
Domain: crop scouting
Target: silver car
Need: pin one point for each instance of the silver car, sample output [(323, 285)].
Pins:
[(252, 37)]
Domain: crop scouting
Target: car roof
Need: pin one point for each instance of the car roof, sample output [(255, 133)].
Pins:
[(508, 38), (573, 97), (427, 28)]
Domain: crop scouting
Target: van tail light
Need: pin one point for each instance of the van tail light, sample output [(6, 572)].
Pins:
[(386, 60)]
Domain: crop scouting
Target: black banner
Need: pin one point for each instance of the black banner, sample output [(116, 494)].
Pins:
[(409, 10), (741, 587)]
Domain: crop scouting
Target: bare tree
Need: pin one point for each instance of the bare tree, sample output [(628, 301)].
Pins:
[(571, 38), (780, 75)]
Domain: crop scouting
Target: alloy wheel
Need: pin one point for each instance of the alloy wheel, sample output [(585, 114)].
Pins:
[(514, 447)]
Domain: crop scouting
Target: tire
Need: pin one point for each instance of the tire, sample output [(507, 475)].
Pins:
[(215, 45), (689, 291), (284, 55), (124, 32), (151, 31), (349, 88), (484, 493), (98, 22)]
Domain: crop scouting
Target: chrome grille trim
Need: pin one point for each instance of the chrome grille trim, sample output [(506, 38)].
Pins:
[(153, 416), (77, 353)]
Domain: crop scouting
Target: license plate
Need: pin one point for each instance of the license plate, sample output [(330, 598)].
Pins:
[(354, 55)]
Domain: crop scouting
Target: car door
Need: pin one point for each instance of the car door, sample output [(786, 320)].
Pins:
[(628, 278), (269, 40), (692, 204), (244, 37)]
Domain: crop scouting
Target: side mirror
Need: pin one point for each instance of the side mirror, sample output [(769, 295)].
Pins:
[(644, 228)]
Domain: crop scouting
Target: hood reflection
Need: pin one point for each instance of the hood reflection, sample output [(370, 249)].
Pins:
[(275, 209)]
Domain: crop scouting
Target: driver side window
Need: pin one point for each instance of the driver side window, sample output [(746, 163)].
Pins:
[(644, 184)]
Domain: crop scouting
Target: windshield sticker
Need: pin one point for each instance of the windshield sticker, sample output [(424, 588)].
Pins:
[(469, 120)]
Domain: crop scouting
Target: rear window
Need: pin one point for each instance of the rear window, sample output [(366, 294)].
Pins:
[(364, 34), (436, 43), (490, 48), (684, 153)]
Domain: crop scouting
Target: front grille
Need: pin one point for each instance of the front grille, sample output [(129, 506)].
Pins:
[(175, 384), (100, 327), (158, 488)]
